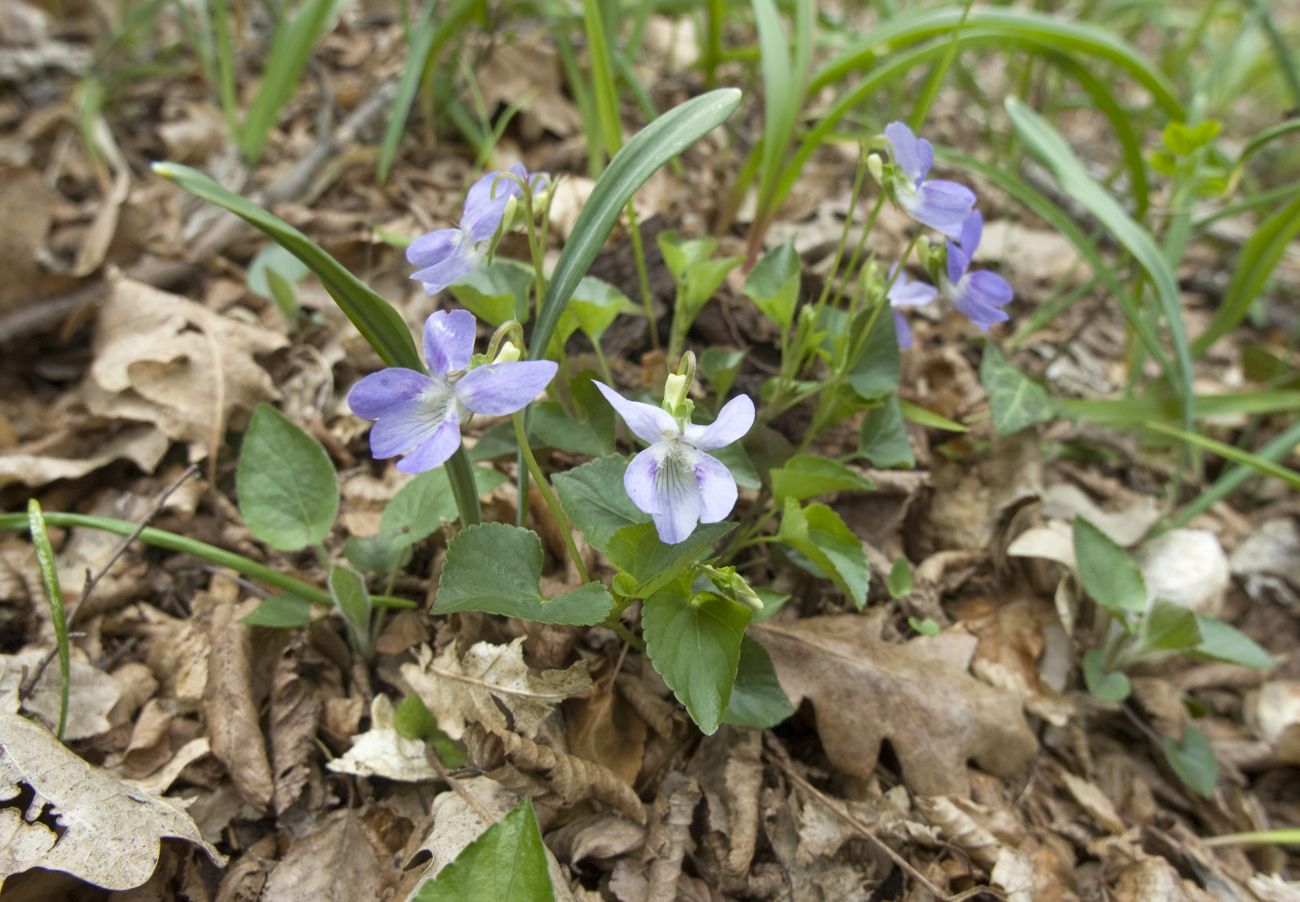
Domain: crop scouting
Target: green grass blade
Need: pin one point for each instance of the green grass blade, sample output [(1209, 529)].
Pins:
[(646, 152), (376, 320), (1255, 264), (426, 40), (224, 53), (1136, 411), (602, 76), (290, 50), (1047, 144), (1236, 455), (1273, 450), (54, 597), (1283, 837)]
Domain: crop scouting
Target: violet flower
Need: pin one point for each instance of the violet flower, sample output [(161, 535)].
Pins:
[(673, 480), (446, 256), (420, 416), (905, 292), (979, 295), (937, 203)]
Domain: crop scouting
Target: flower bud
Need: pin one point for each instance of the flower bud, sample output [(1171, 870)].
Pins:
[(675, 389), (509, 353), (876, 167)]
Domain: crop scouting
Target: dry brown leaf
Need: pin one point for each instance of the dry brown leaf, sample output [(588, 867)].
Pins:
[(91, 693), (382, 752), (333, 863), (729, 769), (1092, 800), (234, 724), (547, 775), (144, 446), (602, 836), (76, 818), (457, 690), (161, 780), (603, 728), (528, 72), (295, 715), (166, 360), (918, 695), (670, 835)]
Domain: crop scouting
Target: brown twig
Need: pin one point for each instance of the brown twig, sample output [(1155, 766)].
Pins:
[(458, 786)]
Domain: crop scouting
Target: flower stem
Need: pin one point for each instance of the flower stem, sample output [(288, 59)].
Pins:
[(642, 275), (461, 476), (566, 528)]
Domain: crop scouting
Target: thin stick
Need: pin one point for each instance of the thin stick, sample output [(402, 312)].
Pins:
[(458, 786)]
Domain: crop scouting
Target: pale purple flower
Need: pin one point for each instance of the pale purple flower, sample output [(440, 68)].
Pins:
[(905, 292), (420, 416), (979, 295), (937, 203), (446, 256), (673, 480)]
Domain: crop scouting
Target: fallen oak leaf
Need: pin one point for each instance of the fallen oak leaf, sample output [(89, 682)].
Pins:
[(919, 695), (59, 813)]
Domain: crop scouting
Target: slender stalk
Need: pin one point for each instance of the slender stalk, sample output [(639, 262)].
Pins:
[(58, 613), (935, 81), (642, 275), (461, 476), (566, 528)]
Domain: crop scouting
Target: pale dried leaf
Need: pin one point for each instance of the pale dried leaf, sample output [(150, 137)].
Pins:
[(1064, 501), (109, 833), (1014, 872), (382, 752), (1090, 797), (459, 690), (91, 694), (142, 445), (333, 863), (601, 836), (295, 716), (603, 728), (162, 779), (919, 695), (231, 711), (729, 769)]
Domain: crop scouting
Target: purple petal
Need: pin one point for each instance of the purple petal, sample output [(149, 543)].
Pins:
[(383, 392), (485, 204), (448, 340), (907, 292), (449, 269), (432, 248), (734, 420), (913, 155), (981, 296), (639, 480), (971, 230), (902, 331), (958, 261), (941, 205), (435, 450), (717, 489), (649, 423), (500, 388), (677, 493), (402, 428)]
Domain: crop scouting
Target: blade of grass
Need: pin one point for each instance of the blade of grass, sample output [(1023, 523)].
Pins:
[(1046, 143), (1236, 455), (1282, 837), (1136, 411), (1273, 450), (54, 598)]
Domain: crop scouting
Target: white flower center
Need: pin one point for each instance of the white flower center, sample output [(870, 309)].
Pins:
[(436, 401), (676, 470)]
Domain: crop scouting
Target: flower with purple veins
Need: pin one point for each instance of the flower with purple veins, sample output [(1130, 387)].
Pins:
[(674, 480), (905, 292), (979, 295), (937, 203), (420, 416), (446, 256)]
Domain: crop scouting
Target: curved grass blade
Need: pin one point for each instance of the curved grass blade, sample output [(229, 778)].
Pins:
[(1047, 144), (1255, 264), (290, 50), (1236, 455), (376, 320), (1136, 411), (54, 597), (640, 157), (1273, 450), (161, 538)]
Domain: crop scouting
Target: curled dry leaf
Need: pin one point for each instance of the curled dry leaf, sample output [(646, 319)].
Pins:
[(919, 696), (59, 813), (729, 769), (603, 728), (295, 715), (458, 689), (547, 775), (382, 752), (92, 693), (232, 714), (144, 446), (602, 836), (333, 863)]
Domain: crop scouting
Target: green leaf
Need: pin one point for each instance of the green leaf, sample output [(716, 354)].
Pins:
[(383, 553), (419, 508), (720, 366), (926, 626), (1223, 642), (596, 304), (1047, 144), (589, 430), (1193, 760), (756, 698), (496, 292), (291, 48), (1169, 627), (639, 158), (274, 259), (899, 582), (694, 644), (1016, 401), (818, 533), (637, 551), (1109, 575), (496, 568), (353, 599), (773, 284), (928, 418), (282, 611), (807, 475), (412, 720), (1105, 687), (883, 439), (772, 600), (595, 500), (288, 491), (1183, 139), (681, 255), (506, 862), (736, 459), (379, 324), (875, 372)]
